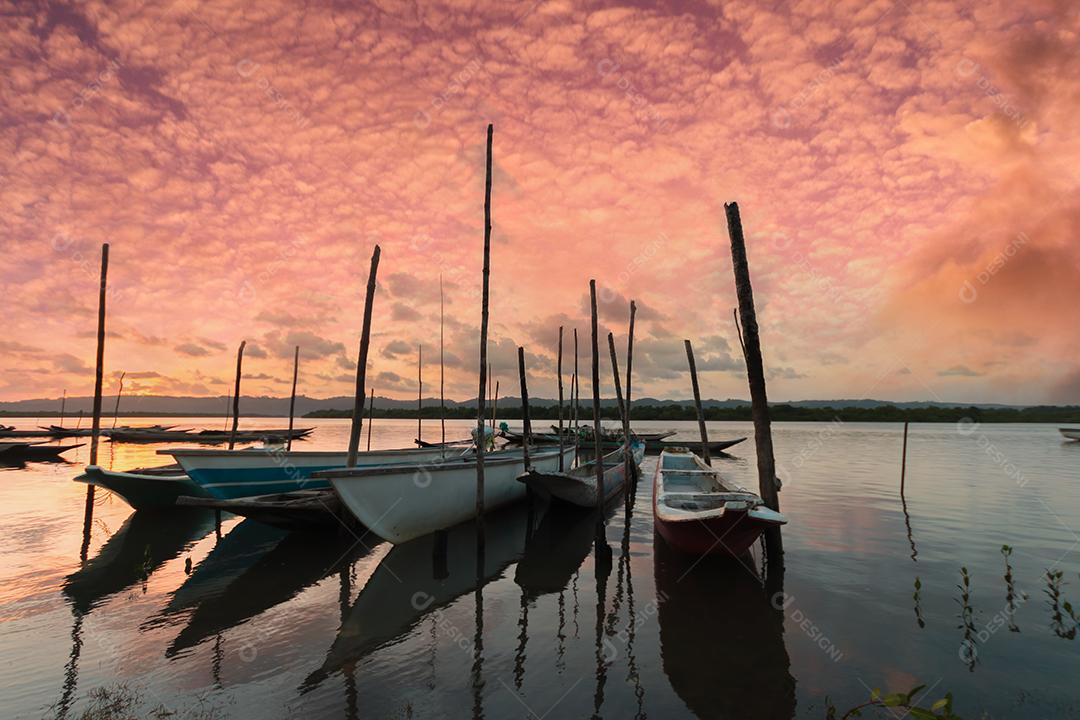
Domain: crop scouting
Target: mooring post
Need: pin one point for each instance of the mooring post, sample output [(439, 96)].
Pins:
[(597, 441), (629, 375), (697, 404), (480, 418), (63, 403), (236, 394), (99, 370), (419, 392), (361, 363), (119, 392), (526, 421), (494, 406), (370, 417), (903, 460), (623, 415), (558, 371), (292, 395), (442, 365), (575, 398), (759, 403)]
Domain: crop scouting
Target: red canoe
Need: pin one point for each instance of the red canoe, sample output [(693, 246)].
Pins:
[(698, 512)]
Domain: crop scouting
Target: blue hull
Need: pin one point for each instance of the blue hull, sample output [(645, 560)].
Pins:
[(234, 484)]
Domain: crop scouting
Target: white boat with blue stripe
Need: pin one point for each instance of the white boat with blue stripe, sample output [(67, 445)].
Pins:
[(231, 474)]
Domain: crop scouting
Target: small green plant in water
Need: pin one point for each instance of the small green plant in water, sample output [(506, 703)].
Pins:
[(1059, 608), (939, 710)]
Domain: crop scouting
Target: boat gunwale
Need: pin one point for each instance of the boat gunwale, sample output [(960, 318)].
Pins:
[(272, 451), (465, 462)]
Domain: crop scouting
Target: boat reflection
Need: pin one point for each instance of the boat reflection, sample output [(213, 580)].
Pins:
[(558, 547), (297, 562), (721, 640), (419, 578), (143, 543)]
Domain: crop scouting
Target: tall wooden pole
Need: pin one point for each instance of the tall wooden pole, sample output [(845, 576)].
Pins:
[(228, 410), (419, 392), (236, 394), (480, 417), (99, 370), (370, 417), (697, 404), (119, 392), (759, 403), (576, 390), (526, 421), (562, 442), (361, 364), (903, 460), (292, 396), (490, 379), (495, 406), (63, 403), (596, 401), (623, 414), (629, 375), (442, 363)]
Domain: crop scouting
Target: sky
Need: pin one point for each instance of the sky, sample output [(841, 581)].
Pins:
[(906, 171)]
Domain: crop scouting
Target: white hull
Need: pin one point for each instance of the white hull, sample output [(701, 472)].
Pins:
[(406, 502)]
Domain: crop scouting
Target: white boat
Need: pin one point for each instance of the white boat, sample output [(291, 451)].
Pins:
[(578, 486), (231, 474), (399, 503), (1070, 433)]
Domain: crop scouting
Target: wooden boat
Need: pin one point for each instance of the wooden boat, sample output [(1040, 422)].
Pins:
[(694, 446), (155, 488), (205, 437), (448, 443), (296, 510), (10, 432), (556, 550), (35, 451), (698, 512), (1070, 433), (61, 431), (586, 433), (230, 474), (404, 502), (578, 486)]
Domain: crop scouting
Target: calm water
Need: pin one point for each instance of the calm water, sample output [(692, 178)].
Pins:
[(269, 624)]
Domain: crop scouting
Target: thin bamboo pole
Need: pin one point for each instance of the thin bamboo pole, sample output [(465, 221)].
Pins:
[(419, 392), (576, 392), (236, 394), (623, 414), (526, 422), (596, 401), (903, 460), (495, 406), (63, 403), (759, 403), (99, 370), (370, 417), (292, 396), (442, 363), (361, 363), (629, 377), (119, 392), (228, 410), (697, 404), (562, 442), (480, 415)]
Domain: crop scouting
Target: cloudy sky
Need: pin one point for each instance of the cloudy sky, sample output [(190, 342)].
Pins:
[(907, 174)]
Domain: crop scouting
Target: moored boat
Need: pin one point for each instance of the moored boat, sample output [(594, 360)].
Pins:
[(695, 446), (231, 474), (700, 513), (578, 486), (35, 450), (296, 510), (1070, 433), (154, 488), (400, 503)]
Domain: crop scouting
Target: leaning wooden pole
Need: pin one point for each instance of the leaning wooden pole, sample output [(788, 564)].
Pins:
[(759, 403), (292, 395), (526, 421), (236, 394), (480, 418), (629, 376), (419, 392), (361, 363), (558, 370), (697, 404), (623, 414), (597, 441), (494, 405), (119, 392), (442, 364), (99, 370)]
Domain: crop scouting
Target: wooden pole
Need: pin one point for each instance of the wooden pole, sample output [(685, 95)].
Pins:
[(526, 422), (596, 402), (95, 428), (236, 394), (623, 415), (490, 395), (78, 423), (632, 467), (228, 410), (361, 364), (119, 392), (292, 396), (419, 392), (697, 404), (562, 442), (370, 417), (442, 364), (903, 460), (576, 391), (63, 403), (756, 374), (480, 416)]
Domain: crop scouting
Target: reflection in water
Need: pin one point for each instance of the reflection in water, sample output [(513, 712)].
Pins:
[(1010, 590), (967, 621), (298, 561), (403, 590), (602, 566), (721, 640)]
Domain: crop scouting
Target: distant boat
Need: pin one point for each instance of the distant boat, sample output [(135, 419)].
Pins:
[(230, 474), (9, 431), (34, 451), (155, 488), (1070, 433), (296, 510), (400, 503), (694, 446), (698, 512), (206, 437), (578, 486)]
